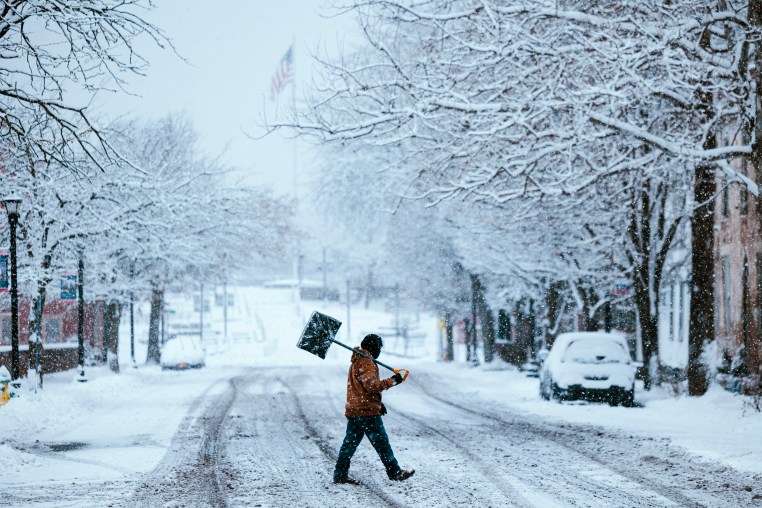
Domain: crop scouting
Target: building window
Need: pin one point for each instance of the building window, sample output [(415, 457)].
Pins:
[(6, 337), (684, 288), (726, 289), (52, 330)]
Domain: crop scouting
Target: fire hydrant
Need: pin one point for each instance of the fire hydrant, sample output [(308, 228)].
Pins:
[(5, 386)]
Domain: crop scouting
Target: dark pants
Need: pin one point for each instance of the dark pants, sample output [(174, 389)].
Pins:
[(370, 426)]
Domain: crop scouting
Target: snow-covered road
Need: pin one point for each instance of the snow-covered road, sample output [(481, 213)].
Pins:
[(269, 438), (261, 426)]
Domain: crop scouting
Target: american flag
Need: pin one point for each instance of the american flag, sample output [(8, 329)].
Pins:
[(283, 74)]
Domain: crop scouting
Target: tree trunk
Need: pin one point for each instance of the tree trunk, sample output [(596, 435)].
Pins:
[(35, 316), (702, 253), (649, 329), (111, 319), (702, 277), (521, 346), (532, 324), (157, 304), (450, 352), (589, 299), (35, 327), (553, 302), (647, 266), (484, 312)]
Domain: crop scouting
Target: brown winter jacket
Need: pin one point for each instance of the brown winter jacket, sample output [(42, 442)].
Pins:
[(364, 387)]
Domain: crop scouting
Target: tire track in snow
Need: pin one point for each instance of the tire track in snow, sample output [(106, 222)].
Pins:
[(515, 497), (328, 450), (447, 481), (189, 473), (540, 475), (561, 438), (270, 458)]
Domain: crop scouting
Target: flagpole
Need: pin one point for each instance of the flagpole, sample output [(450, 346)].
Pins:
[(295, 161), (298, 268)]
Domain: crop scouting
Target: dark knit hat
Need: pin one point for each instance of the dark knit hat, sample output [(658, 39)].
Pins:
[(372, 342)]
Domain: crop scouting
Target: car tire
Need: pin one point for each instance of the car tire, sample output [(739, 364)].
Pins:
[(629, 398), (555, 392), (544, 394)]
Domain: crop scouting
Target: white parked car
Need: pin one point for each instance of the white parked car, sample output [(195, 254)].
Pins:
[(589, 365), (183, 352)]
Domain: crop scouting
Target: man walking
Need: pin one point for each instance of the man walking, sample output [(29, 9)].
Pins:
[(364, 410)]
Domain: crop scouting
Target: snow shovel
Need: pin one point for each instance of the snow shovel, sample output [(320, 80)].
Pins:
[(319, 333)]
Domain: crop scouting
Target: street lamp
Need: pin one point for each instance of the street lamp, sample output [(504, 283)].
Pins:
[(81, 318), (12, 208)]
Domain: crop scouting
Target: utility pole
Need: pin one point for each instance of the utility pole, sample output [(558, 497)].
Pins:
[(132, 330), (81, 319), (474, 318)]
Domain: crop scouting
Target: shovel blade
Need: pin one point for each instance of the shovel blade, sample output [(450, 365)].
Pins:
[(318, 333)]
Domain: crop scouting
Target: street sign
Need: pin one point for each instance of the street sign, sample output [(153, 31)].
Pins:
[(68, 287), (4, 279)]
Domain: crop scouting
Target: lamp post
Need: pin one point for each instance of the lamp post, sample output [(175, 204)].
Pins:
[(12, 208), (81, 319), (132, 317)]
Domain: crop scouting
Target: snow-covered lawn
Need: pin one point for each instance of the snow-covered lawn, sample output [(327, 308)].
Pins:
[(127, 421)]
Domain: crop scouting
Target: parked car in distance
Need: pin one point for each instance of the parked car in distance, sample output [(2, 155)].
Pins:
[(594, 366), (183, 352)]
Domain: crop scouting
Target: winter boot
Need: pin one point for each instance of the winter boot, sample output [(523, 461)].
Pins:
[(402, 475), (347, 480)]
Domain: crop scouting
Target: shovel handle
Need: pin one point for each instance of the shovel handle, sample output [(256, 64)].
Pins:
[(396, 371)]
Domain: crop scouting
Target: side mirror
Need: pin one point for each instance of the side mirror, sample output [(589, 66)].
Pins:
[(542, 354)]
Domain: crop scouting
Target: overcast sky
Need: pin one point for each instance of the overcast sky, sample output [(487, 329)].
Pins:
[(232, 48)]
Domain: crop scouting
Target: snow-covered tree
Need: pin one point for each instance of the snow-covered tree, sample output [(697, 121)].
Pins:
[(55, 56), (548, 99), (187, 224)]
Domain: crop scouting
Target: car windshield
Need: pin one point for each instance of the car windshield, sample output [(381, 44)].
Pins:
[(595, 351)]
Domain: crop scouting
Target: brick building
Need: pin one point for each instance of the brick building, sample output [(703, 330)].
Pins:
[(738, 272), (59, 333)]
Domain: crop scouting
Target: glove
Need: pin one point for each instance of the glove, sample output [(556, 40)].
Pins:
[(383, 409), (397, 378)]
